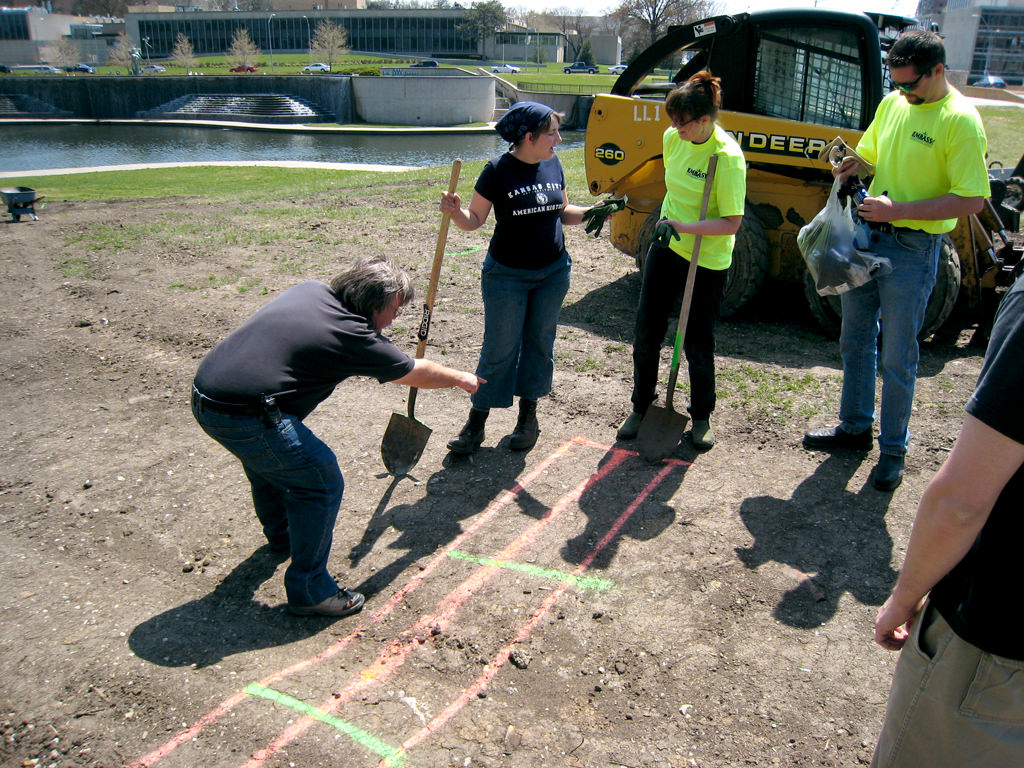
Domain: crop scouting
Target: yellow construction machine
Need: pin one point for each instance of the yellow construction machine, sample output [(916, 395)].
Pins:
[(793, 81)]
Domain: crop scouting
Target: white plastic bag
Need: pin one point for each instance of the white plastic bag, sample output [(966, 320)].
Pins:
[(827, 245)]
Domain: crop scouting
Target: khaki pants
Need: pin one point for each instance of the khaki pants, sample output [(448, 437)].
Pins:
[(952, 705)]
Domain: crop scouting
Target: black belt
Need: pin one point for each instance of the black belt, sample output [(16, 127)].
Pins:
[(203, 403), (884, 226)]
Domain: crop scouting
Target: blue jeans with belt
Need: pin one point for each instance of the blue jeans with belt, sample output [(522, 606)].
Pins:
[(296, 490), (899, 300), (521, 309)]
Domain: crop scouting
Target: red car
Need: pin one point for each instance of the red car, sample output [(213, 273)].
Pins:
[(245, 68)]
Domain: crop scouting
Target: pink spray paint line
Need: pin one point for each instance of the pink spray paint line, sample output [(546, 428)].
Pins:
[(214, 715), (211, 717), (395, 653), (501, 658)]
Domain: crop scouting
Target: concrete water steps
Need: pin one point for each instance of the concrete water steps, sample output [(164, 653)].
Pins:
[(256, 107), (20, 105)]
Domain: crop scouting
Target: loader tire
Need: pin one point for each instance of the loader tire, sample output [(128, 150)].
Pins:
[(827, 310), (749, 265)]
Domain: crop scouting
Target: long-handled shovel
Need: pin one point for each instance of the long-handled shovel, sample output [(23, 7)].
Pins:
[(662, 428), (406, 436)]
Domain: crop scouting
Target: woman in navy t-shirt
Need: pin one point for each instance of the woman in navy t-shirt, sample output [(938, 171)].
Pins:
[(525, 274)]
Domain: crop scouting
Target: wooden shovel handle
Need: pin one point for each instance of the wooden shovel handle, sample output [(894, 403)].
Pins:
[(435, 270), (691, 275), (435, 274)]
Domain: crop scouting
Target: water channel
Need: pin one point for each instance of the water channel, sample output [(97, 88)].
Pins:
[(41, 146)]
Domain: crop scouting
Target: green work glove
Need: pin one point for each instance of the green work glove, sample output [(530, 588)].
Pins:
[(595, 216), (664, 234)]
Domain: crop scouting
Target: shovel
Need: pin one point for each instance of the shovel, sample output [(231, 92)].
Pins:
[(662, 428), (406, 436)]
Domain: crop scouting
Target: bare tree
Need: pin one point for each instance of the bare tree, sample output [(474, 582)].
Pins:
[(574, 24), (121, 54), (330, 42), (243, 50), (66, 54), (652, 18), (183, 52)]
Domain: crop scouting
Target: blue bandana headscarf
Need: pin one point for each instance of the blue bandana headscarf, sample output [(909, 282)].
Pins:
[(525, 117)]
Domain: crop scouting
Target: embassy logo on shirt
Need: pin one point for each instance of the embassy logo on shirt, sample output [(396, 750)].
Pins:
[(697, 173), (922, 137)]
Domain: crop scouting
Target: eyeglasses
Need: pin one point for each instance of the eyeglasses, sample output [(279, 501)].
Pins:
[(908, 87), (680, 126)]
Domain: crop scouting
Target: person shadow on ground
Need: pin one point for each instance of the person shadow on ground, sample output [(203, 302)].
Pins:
[(605, 501), (836, 541), (463, 488), (227, 621)]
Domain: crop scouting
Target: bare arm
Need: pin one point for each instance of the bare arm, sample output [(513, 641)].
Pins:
[(952, 511), (726, 225), (572, 214), (882, 208), (948, 206), (466, 219), (427, 374)]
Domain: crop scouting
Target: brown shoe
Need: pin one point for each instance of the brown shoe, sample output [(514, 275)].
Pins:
[(342, 603)]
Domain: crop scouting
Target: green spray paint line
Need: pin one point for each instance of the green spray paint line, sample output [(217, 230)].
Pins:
[(471, 249), (583, 582), (392, 754)]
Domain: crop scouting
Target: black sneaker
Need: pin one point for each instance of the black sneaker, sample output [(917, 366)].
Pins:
[(836, 438)]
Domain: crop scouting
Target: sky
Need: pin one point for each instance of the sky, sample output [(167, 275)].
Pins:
[(599, 7)]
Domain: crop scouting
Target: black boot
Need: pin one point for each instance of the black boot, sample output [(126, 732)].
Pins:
[(472, 434), (525, 435)]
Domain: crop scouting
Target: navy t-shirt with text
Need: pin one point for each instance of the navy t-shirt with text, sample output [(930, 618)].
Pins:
[(528, 199)]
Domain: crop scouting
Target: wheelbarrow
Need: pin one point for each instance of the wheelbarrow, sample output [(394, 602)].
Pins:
[(20, 201)]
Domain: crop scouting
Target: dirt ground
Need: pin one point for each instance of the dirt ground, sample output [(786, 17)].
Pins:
[(568, 606)]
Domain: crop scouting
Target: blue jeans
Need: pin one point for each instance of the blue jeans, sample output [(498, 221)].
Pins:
[(521, 308), (900, 299), (296, 490)]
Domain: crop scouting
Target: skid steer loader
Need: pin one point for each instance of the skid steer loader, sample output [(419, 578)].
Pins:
[(793, 80)]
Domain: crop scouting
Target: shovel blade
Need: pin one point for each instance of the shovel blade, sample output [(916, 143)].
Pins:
[(403, 443), (660, 432)]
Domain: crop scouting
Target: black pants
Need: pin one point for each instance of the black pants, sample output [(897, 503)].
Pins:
[(663, 282)]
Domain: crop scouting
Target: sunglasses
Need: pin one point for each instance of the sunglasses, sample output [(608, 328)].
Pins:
[(908, 87), (680, 126)]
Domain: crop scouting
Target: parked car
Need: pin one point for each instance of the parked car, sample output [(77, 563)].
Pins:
[(153, 68), (616, 69), (44, 69), (989, 81), (5, 69), (506, 69), (318, 67), (245, 68), (425, 63), (81, 68), (580, 66)]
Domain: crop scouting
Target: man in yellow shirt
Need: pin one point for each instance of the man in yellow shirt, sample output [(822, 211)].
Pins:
[(928, 147)]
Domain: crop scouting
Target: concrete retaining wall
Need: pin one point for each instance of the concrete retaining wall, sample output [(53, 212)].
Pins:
[(119, 98), (422, 100)]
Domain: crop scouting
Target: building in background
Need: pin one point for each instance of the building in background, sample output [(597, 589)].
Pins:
[(984, 39), (31, 35)]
